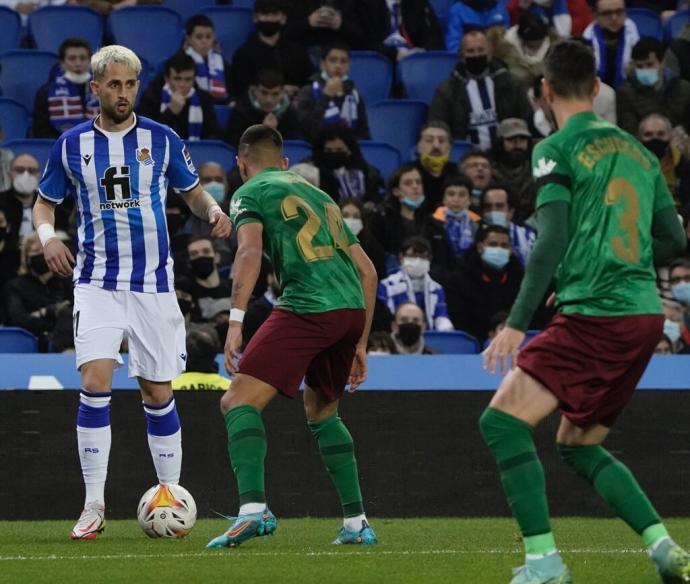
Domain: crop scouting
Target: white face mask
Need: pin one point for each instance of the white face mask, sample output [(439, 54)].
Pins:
[(354, 224), (416, 267), (78, 78), (379, 353), (672, 330), (25, 183)]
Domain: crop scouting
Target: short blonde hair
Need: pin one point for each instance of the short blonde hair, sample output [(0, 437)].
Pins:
[(30, 241), (114, 54)]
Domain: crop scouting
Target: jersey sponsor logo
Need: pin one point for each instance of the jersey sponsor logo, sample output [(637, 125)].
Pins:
[(144, 157), (115, 181), (188, 159), (544, 167)]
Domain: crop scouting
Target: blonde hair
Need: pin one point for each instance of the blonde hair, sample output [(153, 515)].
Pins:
[(114, 54), (29, 242)]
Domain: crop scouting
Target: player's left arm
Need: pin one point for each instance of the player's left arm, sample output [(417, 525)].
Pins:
[(369, 280), (245, 272), (204, 206)]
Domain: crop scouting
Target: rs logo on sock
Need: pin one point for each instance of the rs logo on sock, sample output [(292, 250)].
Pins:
[(91, 450)]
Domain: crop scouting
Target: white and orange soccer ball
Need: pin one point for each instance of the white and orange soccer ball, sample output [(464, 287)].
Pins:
[(166, 511)]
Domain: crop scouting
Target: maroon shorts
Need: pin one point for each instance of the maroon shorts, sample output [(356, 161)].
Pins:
[(289, 346), (592, 364)]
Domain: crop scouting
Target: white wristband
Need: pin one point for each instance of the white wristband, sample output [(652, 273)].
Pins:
[(212, 210), (237, 315), (46, 232)]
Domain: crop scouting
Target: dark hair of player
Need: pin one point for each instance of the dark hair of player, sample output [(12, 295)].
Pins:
[(260, 137), (179, 62), (570, 70), (198, 20), (72, 43)]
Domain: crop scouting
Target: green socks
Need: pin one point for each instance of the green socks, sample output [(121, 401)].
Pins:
[(338, 454), (247, 450), (510, 441), (617, 486)]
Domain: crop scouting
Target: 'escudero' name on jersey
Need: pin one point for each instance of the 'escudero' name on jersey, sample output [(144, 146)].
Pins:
[(119, 181)]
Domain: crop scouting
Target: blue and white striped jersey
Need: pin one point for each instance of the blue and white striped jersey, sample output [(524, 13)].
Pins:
[(119, 181)]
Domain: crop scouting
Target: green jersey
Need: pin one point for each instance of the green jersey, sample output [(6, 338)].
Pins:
[(305, 238), (614, 187)]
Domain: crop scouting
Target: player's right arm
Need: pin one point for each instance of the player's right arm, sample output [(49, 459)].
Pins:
[(54, 185), (668, 236), (369, 280)]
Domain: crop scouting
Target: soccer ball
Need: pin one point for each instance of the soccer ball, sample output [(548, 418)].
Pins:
[(166, 511)]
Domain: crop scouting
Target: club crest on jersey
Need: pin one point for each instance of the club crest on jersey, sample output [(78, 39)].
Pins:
[(543, 167), (144, 156)]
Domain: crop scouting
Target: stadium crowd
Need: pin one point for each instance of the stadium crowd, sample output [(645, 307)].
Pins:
[(449, 235)]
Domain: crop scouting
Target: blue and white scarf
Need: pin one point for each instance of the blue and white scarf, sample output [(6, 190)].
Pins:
[(196, 114), (483, 116), (210, 73), (460, 230), (623, 55), (395, 37), (65, 105), (335, 114)]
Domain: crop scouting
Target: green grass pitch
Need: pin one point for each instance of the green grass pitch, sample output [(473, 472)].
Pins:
[(463, 551)]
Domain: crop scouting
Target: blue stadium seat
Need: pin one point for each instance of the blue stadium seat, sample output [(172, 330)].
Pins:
[(51, 25), (676, 23), (381, 155), (296, 150), (22, 72), (397, 121), (460, 148), (212, 151), (233, 26), (422, 73), (17, 340), (452, 342), (223, 113), (14, 119), (39, 148), (10, 29), (186, 8), (648, 23), (152, 32), (372, 74), (243, 4)]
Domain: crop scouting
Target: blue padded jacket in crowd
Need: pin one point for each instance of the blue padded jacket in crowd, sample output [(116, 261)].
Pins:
[(474, 14)]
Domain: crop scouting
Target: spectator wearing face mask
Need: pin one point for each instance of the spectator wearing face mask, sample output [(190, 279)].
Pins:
[(433, 162), (476, 165), (679, 279), (66, 100), (202, 345), (650, 89), (343, 172), (412, 283), (459, 221), (213, 179), (17, 202), (39, 301), (408, 329), (486, 282), (212, 71), (381, 343), (331, 97), (513, 166), (405, 214), (567, 17), (655, 132), (265, 102), (267, 47), (664, 347), (357, 220), (498, 209), (184, 289), (210, 292)]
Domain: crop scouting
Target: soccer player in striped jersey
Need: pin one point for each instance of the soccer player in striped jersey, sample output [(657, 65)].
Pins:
[(118, 168)]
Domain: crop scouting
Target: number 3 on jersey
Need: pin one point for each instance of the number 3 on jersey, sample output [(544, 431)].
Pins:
[(305, 236), (622, 191)]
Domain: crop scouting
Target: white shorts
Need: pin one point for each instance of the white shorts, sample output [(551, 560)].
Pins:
[(152, 324)]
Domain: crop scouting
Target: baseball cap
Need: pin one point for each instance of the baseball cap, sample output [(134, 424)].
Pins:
[(512, 127)]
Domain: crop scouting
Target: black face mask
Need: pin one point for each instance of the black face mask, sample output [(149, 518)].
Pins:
[(335, 159), (3, 233), (657, 147), (409, 333), (38, 265), (515, 158), (185, 306), (476, 65), (175, 222), (269, 28), (203, 267)]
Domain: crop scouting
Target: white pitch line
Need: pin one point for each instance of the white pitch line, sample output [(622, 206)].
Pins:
[(210, 554)]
